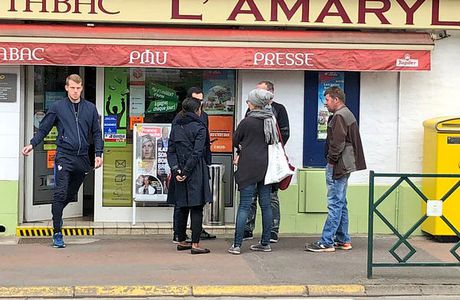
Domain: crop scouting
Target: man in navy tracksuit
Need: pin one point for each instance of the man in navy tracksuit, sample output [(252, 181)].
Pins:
[(76, 120)]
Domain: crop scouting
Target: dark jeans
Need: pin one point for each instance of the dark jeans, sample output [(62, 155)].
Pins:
[(69, 173), (196, 217), (246, 198), (275, 205)]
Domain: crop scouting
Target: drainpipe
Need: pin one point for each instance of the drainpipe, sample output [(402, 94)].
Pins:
[(398, 149)]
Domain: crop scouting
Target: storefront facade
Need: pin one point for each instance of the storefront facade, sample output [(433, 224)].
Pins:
[(394, 81)]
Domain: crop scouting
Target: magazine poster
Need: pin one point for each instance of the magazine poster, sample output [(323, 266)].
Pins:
[(325, 81), (221, 134), (219, 89), (150, 169)]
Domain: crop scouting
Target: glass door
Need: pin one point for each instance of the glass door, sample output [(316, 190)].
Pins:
[(45, 85)]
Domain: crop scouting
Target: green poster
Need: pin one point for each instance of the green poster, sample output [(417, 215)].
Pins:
[(116, 93), (117, 178), (162, 99)]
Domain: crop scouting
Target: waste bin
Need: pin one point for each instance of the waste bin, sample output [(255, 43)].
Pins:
[(441, 154), (214, 212)]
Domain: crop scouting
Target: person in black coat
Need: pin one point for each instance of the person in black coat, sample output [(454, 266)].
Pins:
[(197, 94), (281, 116), (189, 189), (251, 138)]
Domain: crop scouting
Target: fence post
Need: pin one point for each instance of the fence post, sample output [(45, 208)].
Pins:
[(370, 230)]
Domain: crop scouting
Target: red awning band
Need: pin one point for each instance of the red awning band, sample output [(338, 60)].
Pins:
[(214, 57), (233, 53)]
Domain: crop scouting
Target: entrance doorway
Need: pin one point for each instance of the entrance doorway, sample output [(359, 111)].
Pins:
[(45, 85)]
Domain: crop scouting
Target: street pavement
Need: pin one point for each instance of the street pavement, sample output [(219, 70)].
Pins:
[(154, 261)]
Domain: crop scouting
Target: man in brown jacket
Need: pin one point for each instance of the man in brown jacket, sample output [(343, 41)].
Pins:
[(344, 154)]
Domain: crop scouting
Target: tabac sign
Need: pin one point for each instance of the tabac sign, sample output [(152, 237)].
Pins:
[(407, 14)]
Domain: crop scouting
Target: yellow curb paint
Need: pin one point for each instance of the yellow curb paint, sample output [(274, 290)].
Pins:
[(335, 290), (250, 290), (36, 291), (132, 291)]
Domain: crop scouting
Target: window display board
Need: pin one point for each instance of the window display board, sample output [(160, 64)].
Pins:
[(325, 81), (150, 169)]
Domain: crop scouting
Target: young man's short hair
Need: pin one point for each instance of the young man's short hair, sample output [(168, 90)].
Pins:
[(75, 78)]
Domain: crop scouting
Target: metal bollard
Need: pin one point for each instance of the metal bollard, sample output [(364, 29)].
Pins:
[(214, 212)]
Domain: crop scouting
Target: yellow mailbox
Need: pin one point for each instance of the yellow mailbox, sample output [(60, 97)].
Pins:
[(441, 154)]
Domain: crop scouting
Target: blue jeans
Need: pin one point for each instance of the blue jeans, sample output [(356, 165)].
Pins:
[(246, 197), (336, 226), (275, 204)]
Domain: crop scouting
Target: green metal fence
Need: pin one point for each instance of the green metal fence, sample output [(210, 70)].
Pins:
[(403, 237)]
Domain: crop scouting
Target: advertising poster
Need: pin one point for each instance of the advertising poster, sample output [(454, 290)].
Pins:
[(160, 98), (136, 91), (221, 133), (49, 142), (51, 97), (116, 93), (325, 81), (137, 100), (218, 87), (117, 177), (151, 169), (134, 120), (50, 155)]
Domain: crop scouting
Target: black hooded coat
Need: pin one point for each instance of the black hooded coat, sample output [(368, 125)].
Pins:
[(187, 152)]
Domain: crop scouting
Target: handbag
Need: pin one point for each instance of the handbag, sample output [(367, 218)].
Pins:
[(284, 184), (279, 170)]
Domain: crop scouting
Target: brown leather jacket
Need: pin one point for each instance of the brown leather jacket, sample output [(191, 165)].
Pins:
[(344, 149)]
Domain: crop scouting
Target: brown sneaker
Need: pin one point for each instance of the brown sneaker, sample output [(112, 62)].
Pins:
[(343, 246)]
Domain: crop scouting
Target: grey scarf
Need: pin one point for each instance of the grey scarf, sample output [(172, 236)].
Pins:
[(270, 131)]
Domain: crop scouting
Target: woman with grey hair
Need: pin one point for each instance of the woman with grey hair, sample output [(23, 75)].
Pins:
[(251, 138)]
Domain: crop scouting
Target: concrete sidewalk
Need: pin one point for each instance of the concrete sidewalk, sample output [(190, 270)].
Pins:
[(150, 266)]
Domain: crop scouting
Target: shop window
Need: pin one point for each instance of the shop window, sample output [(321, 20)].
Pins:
[(148, 95), (315, 114)]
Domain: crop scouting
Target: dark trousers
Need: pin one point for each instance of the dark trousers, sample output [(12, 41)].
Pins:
[(69, 173), (196, 217), (274, 203), (175, 218)]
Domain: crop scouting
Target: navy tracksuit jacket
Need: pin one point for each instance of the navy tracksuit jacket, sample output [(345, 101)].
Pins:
[(75, 128)]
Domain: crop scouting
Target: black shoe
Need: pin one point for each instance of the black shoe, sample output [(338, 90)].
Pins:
[(199, 250), (175, 239), (182, 247), (274, 237), (247, 236), (318, 247), (206, 236)]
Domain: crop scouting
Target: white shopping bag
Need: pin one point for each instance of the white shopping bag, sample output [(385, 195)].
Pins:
[(278, 166)]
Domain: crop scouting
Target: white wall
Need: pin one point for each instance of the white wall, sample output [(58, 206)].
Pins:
[(427, 95), (289, 91), (378, 123), (10, 131), (423, 95)]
